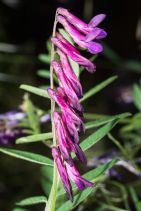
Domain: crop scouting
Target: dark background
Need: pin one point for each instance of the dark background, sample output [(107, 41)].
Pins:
[(27, 24)]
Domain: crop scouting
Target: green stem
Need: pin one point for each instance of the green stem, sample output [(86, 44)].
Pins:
[(50, 206)]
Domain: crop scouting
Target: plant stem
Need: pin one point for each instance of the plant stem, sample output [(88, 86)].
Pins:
[(50, 206)]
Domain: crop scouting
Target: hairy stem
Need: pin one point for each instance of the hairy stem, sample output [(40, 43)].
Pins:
[(50, 206)]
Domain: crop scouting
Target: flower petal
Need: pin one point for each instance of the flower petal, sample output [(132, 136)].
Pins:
[(96, 20), (62, 171)]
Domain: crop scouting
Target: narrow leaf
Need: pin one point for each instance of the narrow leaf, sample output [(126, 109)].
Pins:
[(34, 138), (75, 67), (19, 209), (32, 200), (67, 206), (98, 88), (32, 115), (134, 198), (66, 35), (35, 90), (105, 120), (28, 156), (97, 136), (137, 96), (44, 58), (46, 74), (111, 54)]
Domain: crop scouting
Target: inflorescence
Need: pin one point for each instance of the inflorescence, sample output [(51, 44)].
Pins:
[(69, 121)]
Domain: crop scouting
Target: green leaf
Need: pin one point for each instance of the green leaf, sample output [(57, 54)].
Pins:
[(75, 67), (110, 207), (44, 58), (34, 138), (66, 35), (137, 96), (134, 198), (67, 206), (46, 74), (49, 44), (32, 115), (93, 174), (132, 65), (111, 54), (32, 200), (93, 116), (28, 156), (98, 88), (46, 179), (19, 209), (105, 120), (35, 90), (97, 136)]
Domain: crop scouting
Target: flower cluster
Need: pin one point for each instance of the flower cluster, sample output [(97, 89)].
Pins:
[(11, 127), (9, 130), (69, 122)]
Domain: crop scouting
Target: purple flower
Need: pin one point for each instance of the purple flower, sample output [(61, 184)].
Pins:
[(80, 39), (73, 121), (82, 26), (45, 118), (77, 150), (73, 80), (65, 142), (12, 117), (62, 171), (68, 89), (75, 176), (96, 20), (62, 142), (9, 127), (72, 52), (8, 136)]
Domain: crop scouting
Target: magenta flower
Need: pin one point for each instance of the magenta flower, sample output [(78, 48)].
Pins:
[(80, 39), (68, 89), (65, 142), (61, 92), (71, 51), (73, 121), (81, 25), (62, 142), (62, 171), (73, 80), (75, 176), (74, 125), (96, 33), (77, 150)]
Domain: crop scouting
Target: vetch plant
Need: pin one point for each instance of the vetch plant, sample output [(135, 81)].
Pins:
[(67, 115), (67, 125)]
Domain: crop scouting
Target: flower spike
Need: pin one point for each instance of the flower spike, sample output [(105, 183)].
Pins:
[(69, 122)]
